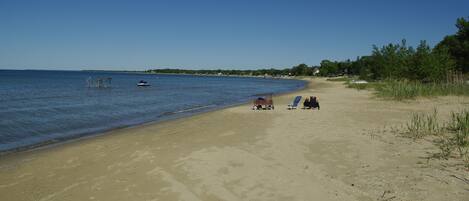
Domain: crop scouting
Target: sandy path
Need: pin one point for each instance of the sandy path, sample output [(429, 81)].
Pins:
[(240, 154)]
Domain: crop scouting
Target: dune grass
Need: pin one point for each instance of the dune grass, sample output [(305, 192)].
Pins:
[(452, 135), (365, 86), (401, 90), (459, 127), (404, 90), (421, 125)]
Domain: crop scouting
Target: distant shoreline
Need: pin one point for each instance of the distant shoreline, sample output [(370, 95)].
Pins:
[(214, 75), (145, 72)]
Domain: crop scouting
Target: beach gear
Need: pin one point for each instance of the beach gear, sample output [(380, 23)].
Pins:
[(314, 103), (264, 102), (306, 103), (295, 102)]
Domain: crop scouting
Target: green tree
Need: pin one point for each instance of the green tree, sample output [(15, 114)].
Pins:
[(391, 61), (458, 45), (328, 68), (430, 65), (301, 69)]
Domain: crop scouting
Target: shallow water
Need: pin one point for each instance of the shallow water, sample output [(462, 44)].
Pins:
[(39, 107)]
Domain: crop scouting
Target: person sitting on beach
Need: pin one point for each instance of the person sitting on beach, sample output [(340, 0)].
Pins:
[(306, 103), (258, 103), (314, 103)]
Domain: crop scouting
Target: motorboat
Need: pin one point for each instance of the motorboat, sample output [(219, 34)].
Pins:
[(143, 83)]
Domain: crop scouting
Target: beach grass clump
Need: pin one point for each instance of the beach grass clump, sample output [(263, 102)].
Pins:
[(453, 135), (457, 137), (458, 126), (421, 125)]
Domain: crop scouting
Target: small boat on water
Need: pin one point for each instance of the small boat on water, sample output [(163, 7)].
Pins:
[(143, 83)]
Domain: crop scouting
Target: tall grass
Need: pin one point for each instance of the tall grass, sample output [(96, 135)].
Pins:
[(402, 90), (421, 125)]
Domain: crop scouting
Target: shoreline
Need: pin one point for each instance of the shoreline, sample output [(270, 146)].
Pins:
[(240, 154), (215, 75), (87, 136)]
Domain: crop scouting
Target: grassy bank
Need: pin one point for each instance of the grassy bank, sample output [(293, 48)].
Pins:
[(402, 90)]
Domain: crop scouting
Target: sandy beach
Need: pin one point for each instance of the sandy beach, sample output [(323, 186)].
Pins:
[(341, 152)]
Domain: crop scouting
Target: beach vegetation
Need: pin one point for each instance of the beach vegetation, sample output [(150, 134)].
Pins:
[(451, 136), (458, 126), (404, 89), (458, 45), (421, 125), (455, 142), (400, 72), (403, 62)]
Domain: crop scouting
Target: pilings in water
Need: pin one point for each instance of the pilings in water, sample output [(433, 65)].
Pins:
[(102, 82)]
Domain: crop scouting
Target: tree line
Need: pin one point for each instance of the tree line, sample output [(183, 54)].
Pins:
[(400, 61), (392, 61), (299, 70)]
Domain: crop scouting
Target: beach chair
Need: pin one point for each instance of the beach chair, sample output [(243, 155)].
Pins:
[(263, 102), (295, 102)]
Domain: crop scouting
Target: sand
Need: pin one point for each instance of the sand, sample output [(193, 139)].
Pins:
[(340, 152)]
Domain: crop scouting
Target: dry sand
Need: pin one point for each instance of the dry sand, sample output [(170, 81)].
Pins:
[(337, 153)]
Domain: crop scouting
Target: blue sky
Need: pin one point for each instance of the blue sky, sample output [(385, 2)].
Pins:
[(136, 35)]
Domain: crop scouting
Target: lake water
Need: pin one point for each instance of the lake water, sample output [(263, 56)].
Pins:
[(39, 107)]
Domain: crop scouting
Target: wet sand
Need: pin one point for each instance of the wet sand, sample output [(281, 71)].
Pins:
[(337, 153)]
